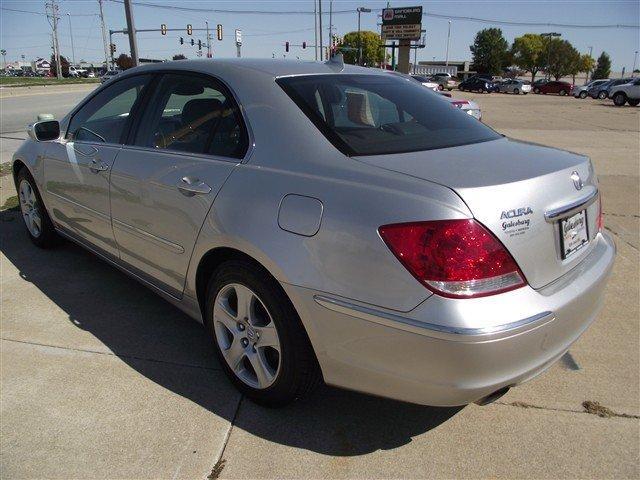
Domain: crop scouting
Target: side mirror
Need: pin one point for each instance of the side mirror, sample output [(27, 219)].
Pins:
[(44, 131)]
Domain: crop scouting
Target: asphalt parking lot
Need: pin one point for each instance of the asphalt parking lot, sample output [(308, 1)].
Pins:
[(100, 378)]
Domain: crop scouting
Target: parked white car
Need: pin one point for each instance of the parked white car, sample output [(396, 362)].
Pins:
[(626, 93), (431, 84), (77, 72)]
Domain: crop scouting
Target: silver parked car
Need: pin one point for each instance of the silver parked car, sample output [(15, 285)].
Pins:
[(328, 222), (583, 91), (514, 86)]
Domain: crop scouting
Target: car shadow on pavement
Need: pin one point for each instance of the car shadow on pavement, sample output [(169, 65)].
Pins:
[(166, 346)]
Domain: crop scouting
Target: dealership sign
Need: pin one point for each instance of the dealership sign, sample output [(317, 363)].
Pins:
[(402, 23)]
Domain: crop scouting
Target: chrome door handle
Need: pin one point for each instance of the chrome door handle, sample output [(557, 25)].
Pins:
[(98, 166), (190, 186)]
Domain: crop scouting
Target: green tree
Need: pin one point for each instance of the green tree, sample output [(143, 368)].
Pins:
[(372, 51), (603, 67), (528, 53), (179, 56), (65, 66), (124, 61), (490, 51), (562, 57), (586, 64)]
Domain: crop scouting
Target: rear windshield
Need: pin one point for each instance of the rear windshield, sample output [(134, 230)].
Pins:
[(382, 114)]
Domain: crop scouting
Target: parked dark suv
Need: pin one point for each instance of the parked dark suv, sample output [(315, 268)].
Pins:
[(479, 83), (602, 91)]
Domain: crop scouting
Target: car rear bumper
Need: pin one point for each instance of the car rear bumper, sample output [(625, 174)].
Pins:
[(451, 351)]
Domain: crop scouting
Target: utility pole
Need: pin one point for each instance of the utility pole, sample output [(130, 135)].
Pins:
[(590, 56), (315, 28), (104, 38), (360, 10), (51, 9), (131, 30), (446, 59), (73, 50), (3, 52), (208, 41), (330, 21), (320, 28), (635, 62)]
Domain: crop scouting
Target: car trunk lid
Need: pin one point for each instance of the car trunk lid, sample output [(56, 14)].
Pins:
[(520, 191)]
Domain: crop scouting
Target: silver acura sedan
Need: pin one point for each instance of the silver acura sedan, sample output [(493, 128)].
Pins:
[(328, 223)]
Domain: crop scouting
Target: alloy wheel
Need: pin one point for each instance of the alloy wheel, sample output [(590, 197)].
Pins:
[(30, 208), (247, 336)]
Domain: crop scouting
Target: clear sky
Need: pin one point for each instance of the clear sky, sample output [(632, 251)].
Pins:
[(264, 35)]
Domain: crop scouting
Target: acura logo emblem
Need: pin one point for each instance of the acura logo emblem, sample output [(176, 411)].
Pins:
[(577, 181)]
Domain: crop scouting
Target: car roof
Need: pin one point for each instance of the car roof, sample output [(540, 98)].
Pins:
[(269, 67)]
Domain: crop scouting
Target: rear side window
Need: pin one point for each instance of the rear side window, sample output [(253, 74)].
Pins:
[(382, 114), (192, 113), (104, 117)]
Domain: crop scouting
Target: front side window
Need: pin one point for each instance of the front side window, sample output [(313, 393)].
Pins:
[(105, 117), (381, 114), (191, 113)]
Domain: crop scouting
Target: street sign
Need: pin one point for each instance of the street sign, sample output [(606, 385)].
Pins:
[(403, 23), (238, 37)]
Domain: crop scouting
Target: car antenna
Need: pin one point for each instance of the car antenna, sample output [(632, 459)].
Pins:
[(336, 61)]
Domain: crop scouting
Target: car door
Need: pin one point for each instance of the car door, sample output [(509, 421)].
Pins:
[(77, 168), (189, 139)]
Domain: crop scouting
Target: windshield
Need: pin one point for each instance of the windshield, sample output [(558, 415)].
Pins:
[(382, 114)]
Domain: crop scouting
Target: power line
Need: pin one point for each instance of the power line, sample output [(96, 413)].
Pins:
[(44, 14), (525, 24), (353, 11)]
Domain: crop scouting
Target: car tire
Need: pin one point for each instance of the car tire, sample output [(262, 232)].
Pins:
[(536, 90), (33, 212), (440, 87), (602, 95), (291, 368), (619, 99), (516, 91), (562, 93), (583, 95), (634, 102)]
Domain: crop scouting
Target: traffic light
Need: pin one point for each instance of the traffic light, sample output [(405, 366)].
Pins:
[(189, 29), (181, 41), (219, 31), (304, 45), (163, 29), (286, 47), (192, 42), (112, 47), (199, 44)]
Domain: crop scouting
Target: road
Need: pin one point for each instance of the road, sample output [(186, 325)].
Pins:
[(21, 106), (100, 378)]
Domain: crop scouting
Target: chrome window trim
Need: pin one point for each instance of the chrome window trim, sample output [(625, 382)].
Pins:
[(569, 209), (430, 329)]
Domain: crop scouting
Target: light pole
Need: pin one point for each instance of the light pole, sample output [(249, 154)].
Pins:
[(635, 61), (446, 60), (590, 56), (548, 36), (360, 10), (3, 52), (73, 51)]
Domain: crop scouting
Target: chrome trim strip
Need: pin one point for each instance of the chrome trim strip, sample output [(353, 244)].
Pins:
[(104, 216), (428, 329), (574, 207), (174, 247)]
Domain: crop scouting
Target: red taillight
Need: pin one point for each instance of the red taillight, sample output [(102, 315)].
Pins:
[(600, 219), (455, 258)]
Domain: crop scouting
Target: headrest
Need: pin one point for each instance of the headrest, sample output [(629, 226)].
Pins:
[(199, 107)]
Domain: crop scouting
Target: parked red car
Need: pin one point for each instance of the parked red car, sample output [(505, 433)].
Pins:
[(561, 88)]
